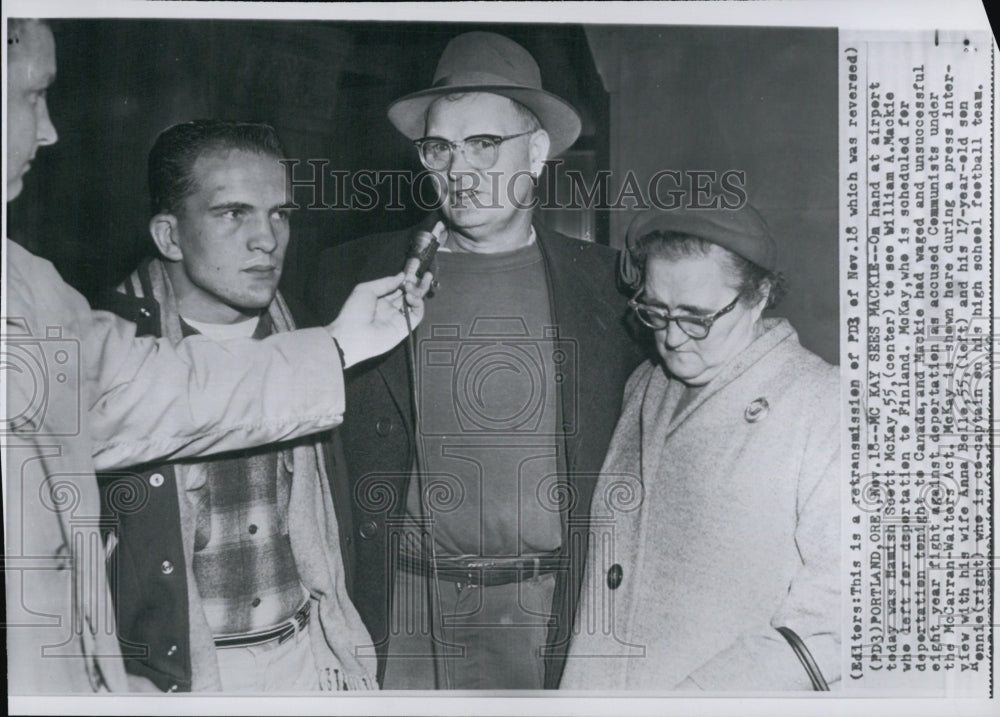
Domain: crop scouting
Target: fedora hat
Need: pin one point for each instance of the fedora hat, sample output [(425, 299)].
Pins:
[(487, 62)]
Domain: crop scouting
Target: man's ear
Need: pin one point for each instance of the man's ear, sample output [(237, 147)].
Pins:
[(538, 151), (163, 229), (758, 309)]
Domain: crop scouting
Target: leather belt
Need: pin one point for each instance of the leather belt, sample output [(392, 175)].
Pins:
[(281, 632), (485, 571)]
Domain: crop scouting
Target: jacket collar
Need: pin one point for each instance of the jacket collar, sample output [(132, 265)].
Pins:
[(776, 332), (146, 297)]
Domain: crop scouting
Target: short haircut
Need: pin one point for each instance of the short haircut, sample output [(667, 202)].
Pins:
[(177, 148), (752, 280)]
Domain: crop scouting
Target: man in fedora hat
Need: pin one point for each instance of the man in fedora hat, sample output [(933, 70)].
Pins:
[(473, 458)]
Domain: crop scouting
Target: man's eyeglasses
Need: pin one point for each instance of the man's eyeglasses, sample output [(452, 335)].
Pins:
[(697, 327), (480, 151)]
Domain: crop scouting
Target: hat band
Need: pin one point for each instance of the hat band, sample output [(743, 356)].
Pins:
[(465, 79)]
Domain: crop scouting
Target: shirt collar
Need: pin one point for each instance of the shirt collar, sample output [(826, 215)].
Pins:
[(441, 234)]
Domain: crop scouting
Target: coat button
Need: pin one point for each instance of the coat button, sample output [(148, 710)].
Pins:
[(172, 650), (383, 426), (166, 567), (368, 530), (614, 576), (143, 311), (156, 480), (172, 688)]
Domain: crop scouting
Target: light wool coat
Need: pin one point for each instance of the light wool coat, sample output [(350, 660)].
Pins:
[(723, 523)]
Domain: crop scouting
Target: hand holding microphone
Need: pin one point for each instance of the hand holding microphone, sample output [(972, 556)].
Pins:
[(373, 320), (379, 314)]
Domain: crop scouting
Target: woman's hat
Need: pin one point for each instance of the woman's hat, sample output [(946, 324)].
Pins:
[(741, 230), (487, 62)]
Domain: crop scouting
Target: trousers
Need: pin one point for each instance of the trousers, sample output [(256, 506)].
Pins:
[(271, 667), (475, 638)]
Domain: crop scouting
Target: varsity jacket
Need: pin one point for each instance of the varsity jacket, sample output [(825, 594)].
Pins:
[(148, 524)]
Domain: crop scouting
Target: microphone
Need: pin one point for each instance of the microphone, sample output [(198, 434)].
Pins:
[(420, 256)]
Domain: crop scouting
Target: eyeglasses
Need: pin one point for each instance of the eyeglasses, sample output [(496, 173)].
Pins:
[(480, 151), (697, 327)]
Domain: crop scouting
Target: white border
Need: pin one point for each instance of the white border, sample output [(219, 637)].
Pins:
[(437, 704), (844, 14)]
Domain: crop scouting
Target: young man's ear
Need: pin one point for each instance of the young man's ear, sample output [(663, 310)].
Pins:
[(163, 229)]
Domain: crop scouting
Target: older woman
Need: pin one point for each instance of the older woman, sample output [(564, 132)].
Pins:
[(728, 448)]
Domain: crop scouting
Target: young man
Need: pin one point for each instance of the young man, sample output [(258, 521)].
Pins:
[(83, 392), (228, 575)]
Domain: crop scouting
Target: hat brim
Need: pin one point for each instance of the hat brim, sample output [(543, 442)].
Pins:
[(558, 118)]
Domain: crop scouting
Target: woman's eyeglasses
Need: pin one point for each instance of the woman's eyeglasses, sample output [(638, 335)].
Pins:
[(697, 327)]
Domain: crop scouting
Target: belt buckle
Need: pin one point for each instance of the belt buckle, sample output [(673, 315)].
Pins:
[(475, 573), (301, 616), (295, 624)]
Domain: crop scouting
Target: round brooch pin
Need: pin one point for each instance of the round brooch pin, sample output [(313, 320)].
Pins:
[(756, 410)]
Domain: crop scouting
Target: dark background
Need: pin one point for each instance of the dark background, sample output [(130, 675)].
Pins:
[(760, 100)]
